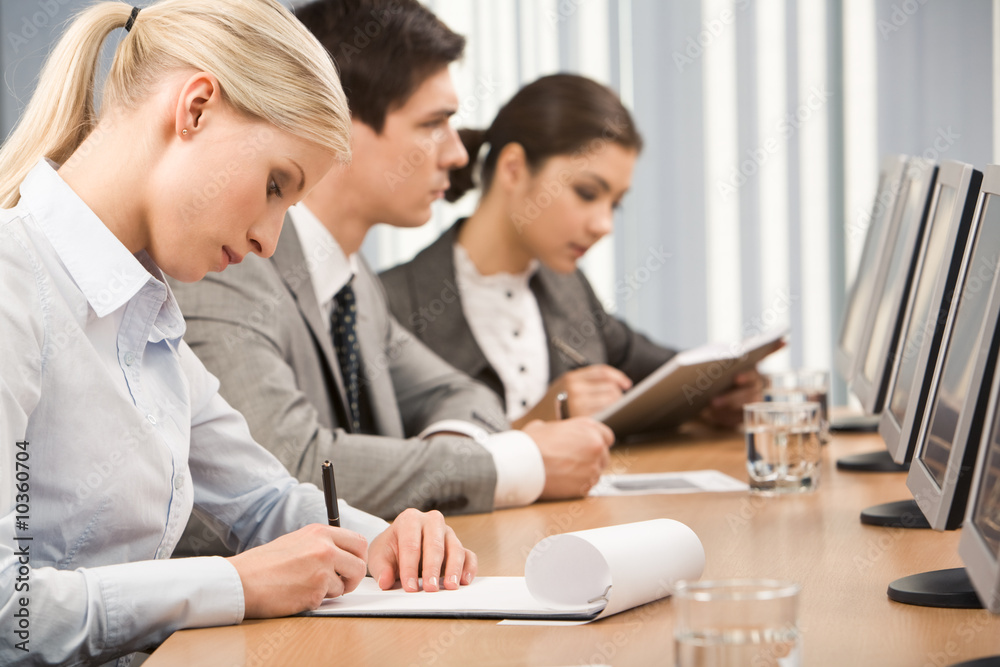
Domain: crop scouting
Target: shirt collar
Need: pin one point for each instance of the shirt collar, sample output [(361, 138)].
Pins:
[(169, 323), (330, 275), (466, 268), (100, 265)]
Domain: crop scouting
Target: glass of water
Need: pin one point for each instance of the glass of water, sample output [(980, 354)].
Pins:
[(800, 386), (783, 446), (737, 623)]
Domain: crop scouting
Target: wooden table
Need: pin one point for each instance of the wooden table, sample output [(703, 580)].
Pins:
[(843, 566)]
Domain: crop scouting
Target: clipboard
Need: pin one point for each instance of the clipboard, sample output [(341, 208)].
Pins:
[(679, 389)]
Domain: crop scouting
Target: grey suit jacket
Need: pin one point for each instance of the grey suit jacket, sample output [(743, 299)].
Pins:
[(258, 328), (424, 297)]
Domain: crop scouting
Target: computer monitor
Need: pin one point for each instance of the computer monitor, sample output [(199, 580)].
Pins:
[(979, 546), (855, 319), (952, 205), (871, 375), (958, 394), (978, 583)]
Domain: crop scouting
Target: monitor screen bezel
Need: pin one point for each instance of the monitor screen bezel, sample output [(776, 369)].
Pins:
[(981, 564), (944, 506), (871, 391), (964, 179), (875, 247)]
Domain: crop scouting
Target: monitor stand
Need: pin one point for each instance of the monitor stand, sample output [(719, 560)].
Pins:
[(990, 661), (880, 461), (900, 514), (855, 423), (951, 589)]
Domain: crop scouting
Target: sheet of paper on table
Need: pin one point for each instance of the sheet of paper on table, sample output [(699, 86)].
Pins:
[(688, 481)]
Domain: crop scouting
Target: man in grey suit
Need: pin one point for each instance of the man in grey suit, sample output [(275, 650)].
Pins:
[(402, 427)]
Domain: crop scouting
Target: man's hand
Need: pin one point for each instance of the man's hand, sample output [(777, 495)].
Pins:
[(296, 571), (574, 451), (589, 390), (726, 410), (420, 544)]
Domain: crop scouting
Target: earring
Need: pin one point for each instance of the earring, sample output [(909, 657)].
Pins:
[(184, 131)]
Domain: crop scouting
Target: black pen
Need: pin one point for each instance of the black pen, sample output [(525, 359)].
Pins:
[(330, 491)]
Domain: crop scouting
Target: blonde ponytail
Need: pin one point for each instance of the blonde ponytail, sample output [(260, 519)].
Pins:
[(268, 65), (60, 114)]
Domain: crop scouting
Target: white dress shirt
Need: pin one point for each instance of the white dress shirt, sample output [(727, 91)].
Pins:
[(125, 431), (520, 470), (504, 317)]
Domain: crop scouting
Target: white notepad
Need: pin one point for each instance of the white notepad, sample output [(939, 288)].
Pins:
[(579, 576)]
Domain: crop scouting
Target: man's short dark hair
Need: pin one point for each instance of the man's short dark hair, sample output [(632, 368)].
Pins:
[(384, 50)]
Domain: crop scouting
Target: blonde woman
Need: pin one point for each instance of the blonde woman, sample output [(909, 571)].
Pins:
[(216, 117)]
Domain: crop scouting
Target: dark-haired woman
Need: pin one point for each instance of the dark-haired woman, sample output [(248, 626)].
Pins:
[(525, 320)]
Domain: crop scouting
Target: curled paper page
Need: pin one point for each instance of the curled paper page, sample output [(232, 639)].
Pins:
[(577, 576), (627, 565)]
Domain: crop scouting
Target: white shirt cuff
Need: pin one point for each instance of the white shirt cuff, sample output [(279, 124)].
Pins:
[(368, 525), (477, 433), (178, 592), (520, 470)]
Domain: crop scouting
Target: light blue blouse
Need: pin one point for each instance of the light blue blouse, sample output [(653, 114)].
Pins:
[(110, 431)]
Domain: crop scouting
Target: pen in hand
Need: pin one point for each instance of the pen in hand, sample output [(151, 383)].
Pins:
[(330, 491), (578, 361), (570, 352)]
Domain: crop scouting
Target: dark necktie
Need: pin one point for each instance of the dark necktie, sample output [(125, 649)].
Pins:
[(345, 342)]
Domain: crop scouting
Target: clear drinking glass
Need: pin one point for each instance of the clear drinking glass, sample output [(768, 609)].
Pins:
[(737, 623), (783, 446), (801, 386)]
